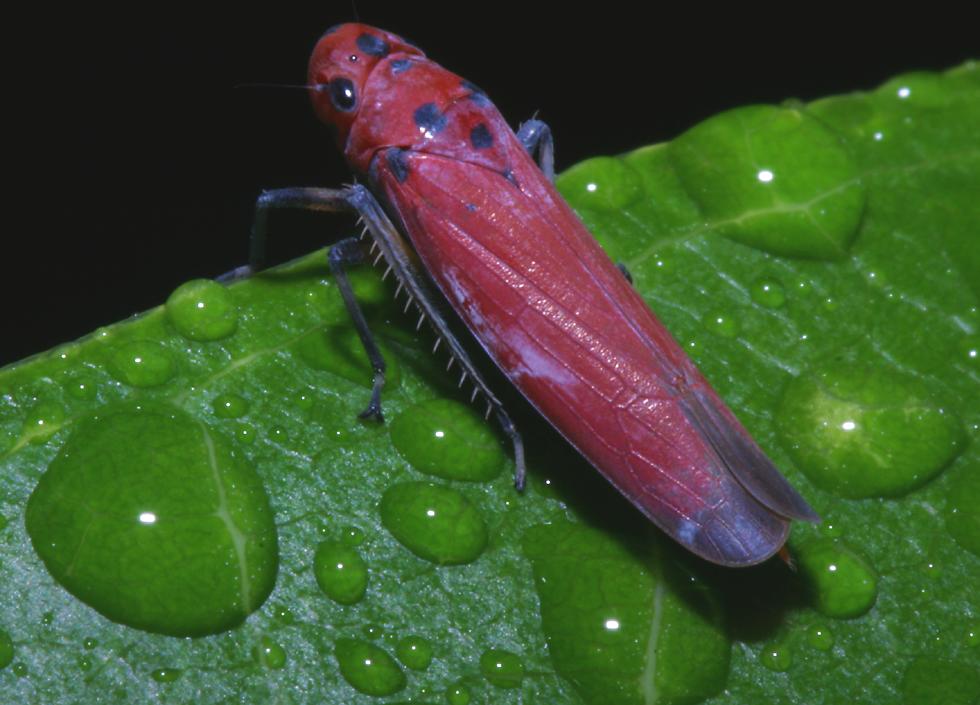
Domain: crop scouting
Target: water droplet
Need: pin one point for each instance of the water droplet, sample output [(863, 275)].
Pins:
[(831, 529), (141, 363), (972, 634), (283, 615), (84, 663), (620, 622), (269, 653), (6, 649), (843, 583), (20, 669), (90, 643), (229, 406), (502, 668), (304, 400), (963, 510), (434, 522), (368, 668), (43, 420), (820, 637), (776, 656), (340, 572), (458, 694), (602, 184), (202, 310), (352, 536), (149, 517), (865, 432), (447, 439), (278, 434), (768, 292), (165, 675), (720, 323), (415, 652), (47, 619), (245, 433), (969, 349), (773, 178), (81, 387), (933, 681)]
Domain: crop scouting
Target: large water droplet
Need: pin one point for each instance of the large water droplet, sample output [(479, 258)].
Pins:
[(963, 509), (340, 572), (434, 522), (447, 439), (149, 517), (502, 668), (141, 363), (843, 584), (415, 652), (368, 668), (933, 681), (865, 432), (773, 178), (202, 309), (620, 623)]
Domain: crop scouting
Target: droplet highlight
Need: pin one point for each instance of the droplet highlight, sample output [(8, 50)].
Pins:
[(269, 653), (340, 572), (165, 675), (229, 406), (768, 292), (149, 517), (447, 439), (502, 668), (141, 363), (202, 310), (434, 522), (602, 184), (415, 652), (866, 432)]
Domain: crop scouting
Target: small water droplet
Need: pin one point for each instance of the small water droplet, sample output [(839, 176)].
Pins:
[(43, 420), (269, 653), (202, 310), (969, 350), (229, 406), (768, 292), (340, 572), (971, 635), (47, 619), (368, 668), (720, 323), (84, 663), (458, 694), (843, 583), (304, 400), (81, 387), (141, 363), (20, 669), (776, 656), (165, 675), (434, 522), (6, 649), (415, 652), (278, 434), (866, 432), (602, 184), (90, 643), (245, 433), (449, 440), (820, 637), (502, 668), (352, 536)]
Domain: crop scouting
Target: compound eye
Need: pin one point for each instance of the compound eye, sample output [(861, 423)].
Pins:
[(343, 95)]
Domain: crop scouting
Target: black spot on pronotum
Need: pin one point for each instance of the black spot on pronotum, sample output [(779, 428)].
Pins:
[(480, 137), (395, 156), (373, 46), (476, 93), (429, 119), (401, 65), (342, 94)]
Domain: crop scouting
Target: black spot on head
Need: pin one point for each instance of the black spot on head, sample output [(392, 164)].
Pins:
[(476, 93), (401, 65), (480, 137), (395, 156), (373, 46), (428, 119)]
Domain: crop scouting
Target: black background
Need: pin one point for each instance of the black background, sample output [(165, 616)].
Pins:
[(135, 158)]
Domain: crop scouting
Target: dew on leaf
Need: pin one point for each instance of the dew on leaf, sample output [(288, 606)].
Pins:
[(149, 517), (368, 668), (458, 694), (415, 652), (776, 656), (720, 323), (619, 627), (20, 669), (774, 179), (165, 675), (229, 406), (866, 432), (90, 642), (43, 419), (141, 363), (768, 292), (602, 184), (269, 653), (447, 439), (502, 668), (80, 387), (202, 310), (820, 637), (352, 536), (843, 584), (434, 522), (340, 572)]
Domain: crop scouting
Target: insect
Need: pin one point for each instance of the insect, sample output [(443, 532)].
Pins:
[(458, 201)]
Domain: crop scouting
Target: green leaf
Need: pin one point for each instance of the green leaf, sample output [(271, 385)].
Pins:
[(820, 264)]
